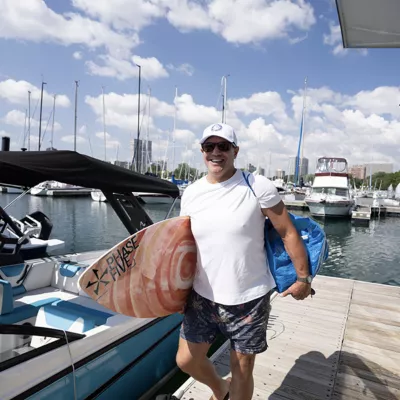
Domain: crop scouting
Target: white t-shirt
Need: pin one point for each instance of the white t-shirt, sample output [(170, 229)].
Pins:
[(228, 226)]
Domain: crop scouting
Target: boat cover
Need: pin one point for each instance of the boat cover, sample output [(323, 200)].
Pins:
[(29, 168)]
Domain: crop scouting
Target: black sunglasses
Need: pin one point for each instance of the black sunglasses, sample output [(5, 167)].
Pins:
[(208, 147)]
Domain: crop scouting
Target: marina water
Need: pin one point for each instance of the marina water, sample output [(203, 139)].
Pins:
[(369, 254)]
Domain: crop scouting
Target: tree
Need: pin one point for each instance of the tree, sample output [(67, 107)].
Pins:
[(185, 172)]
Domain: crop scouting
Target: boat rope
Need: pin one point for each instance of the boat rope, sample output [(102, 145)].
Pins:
[(72, 365)]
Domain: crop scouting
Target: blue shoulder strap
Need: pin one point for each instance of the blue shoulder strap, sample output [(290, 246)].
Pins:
[(246, 178)]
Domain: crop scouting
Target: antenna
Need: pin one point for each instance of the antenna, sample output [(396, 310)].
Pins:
[(76, 116), (52, 125), (29, 120), (40, 117), (104, 125), (223, 83)]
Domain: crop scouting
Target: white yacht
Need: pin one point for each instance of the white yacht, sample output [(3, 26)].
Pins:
[(330, 194)]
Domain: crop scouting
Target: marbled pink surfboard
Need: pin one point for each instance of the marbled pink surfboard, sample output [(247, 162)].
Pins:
[(149, 274)]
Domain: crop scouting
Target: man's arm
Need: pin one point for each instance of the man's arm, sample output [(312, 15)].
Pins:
[(281, 221)]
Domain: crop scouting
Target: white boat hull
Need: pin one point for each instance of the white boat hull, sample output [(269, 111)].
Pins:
[(328, 209), (38, 191), (98, 195)]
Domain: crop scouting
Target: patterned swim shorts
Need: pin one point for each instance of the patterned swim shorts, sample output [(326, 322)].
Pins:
[(245, 325)]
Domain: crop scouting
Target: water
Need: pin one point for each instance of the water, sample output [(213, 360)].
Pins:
[(370, 254)]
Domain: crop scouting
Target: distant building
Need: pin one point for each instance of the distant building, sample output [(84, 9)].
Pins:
[(123, 164), (279, 174), (261, 171), (251, 168), (358, 171), (145, 154), (379, 167), (303, 167)]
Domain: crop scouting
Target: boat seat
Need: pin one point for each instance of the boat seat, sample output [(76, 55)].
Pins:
[(15, 275), (99, 317), (66, 276), (22, 313), (58, 317), (6, 298)]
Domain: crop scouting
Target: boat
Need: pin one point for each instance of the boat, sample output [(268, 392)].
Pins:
[(11, 190), (330, 193), (98, 195), (59, 189), (55, 342), (31, 235), (397, 192)]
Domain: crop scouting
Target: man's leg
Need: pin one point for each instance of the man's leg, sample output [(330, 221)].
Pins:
[(198, 331), (192, 359), (246, 328), (242, 385)]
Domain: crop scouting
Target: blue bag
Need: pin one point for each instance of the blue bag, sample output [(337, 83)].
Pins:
[(279, 262)]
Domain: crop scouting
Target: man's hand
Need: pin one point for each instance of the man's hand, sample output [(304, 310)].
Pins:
[(298, 290)]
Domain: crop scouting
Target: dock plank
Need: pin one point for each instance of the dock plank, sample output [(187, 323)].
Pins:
[(344, 343)]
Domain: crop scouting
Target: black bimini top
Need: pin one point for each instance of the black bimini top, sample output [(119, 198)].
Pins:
[(29, 168)]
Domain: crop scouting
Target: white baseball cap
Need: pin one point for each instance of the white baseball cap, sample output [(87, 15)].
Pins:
[(222, 130)]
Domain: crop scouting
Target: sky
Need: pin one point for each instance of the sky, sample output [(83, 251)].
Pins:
[(267, 49)]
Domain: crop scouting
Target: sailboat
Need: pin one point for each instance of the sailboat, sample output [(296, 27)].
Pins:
[(97, 194), (160, 198), (397, 192)]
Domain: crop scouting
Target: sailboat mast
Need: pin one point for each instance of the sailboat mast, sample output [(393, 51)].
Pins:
[(29, 120), (223, 82), (24, 131), (40, 117), (76, 116), (148, 160), (104, 125), (173, 133), (52, 125), (304, 122)]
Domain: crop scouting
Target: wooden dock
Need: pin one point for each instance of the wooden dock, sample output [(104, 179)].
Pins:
[(344, 343)]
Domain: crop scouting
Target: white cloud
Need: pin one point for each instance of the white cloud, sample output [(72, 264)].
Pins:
[(382, 100), (123, 69), (121, 110), (237, 21), (184, 136), (194, 114), (16, 92), (33, 20), (254, 20), (185, 69), (122, 14), (77, 55), (334, 39), (4, 133), (111, 142), (359, 126), (17, 118), (71, 138), (266, 104)]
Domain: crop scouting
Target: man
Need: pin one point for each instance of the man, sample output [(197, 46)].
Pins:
[(232, 286)]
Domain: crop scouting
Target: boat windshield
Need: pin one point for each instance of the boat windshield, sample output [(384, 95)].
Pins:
[(331, 190), (328, 164), (20, 343)]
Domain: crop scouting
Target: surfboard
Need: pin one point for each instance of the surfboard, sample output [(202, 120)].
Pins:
[(149, 274)]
